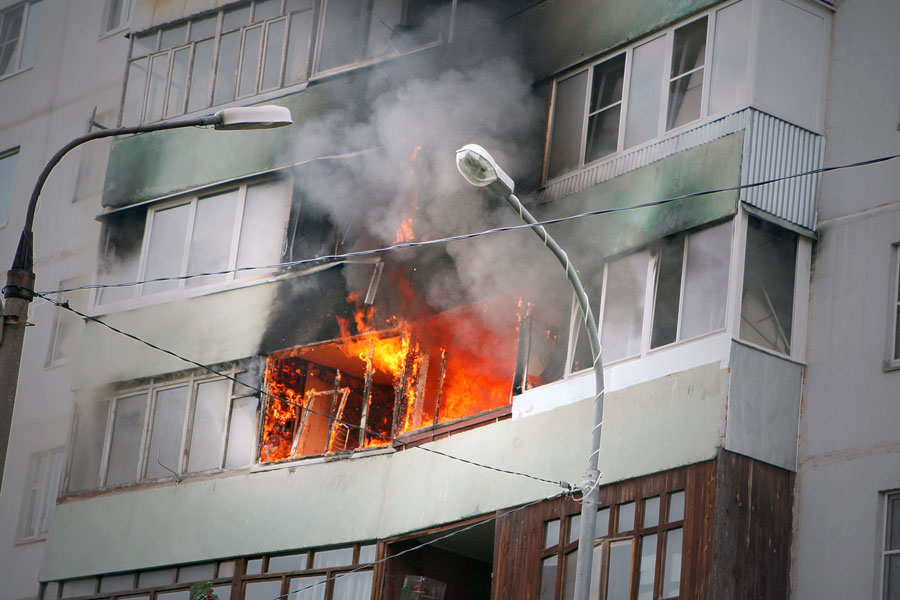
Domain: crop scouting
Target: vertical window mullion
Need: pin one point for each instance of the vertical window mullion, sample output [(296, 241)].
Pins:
[(107, 442), (145, 247), (189, 234), (711, 20), (236, 231), (649, 302), (229, 400), (664, 83), (626, 89), (261, 54), (187, 430), (586, 114), (284, 47), (217, 43), (149, 412), (684, 259)]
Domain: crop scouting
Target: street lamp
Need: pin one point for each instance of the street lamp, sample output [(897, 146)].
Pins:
[(19, 290), (480, 169)]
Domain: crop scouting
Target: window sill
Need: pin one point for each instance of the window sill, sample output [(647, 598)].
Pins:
[(317, 460), (769, 351), (153, 483), (890, 366), (122, 29), (31, 540), (14, 73)]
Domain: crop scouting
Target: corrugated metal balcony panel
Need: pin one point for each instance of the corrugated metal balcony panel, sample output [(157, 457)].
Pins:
[(772, 148)]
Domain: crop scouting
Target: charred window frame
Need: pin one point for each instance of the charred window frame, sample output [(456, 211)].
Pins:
[(638, 548), (657, 85), (18, 37), (338, 572), (182, 237), (890, 547), (39, 500), (166, 428)]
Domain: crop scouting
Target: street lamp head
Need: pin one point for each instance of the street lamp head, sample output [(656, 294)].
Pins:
[(481, 170), (252, 117)]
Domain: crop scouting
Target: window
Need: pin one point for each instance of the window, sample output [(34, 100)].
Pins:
[(301, 574), (63, 332), (767, 302), (239, 226), (265, 45), (116, 14), (18, 36), (44, 470), (894, 342), (166, 428), (8, 162), (891, 548), (631, 539), (652, 87)]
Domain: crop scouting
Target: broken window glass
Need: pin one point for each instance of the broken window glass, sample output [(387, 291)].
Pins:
[(686, 84), (767, 302)]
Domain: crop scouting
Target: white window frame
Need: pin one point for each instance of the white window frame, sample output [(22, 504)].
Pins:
[(662, 132), (124, 18), (149, 390), (8, 188), (892, 360), (62, 319), (16, 59), (47, 491), (139, 298), (883, 552)]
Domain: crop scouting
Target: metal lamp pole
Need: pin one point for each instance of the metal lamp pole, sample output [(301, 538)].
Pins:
[(479, 169), (19, 289)]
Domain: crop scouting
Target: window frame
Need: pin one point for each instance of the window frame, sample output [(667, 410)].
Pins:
[(892, 349), (6, 193), (138, 297), (46, 499), (124, 18), (149, 389), (16, 58), (664, 81), (62, 320), (883, 552)]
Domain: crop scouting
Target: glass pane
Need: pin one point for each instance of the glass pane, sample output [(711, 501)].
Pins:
[(156, 87), (606, 88), (178, 83), (167, 432), (8, 166), (644, 92), (196, 573), (212, 237), (648, 567), (226, 568), (264, 211), (298, 48), (288, 562), (684, 99), (262, 590), (767, 303), (619, 574), (177, 595), (116, 14), (90, 430), (385, 28), (31, 30), (574, 529), (897, 336), (353, 586), (117, 583), (625, 521), (242, 433), (144, 44), (676, 507), (603, 134), (601, 527), (338, 557), (128, 428), (173, 36), (166, 248), (595, 572), (155, 578), (56, 468), (203, 28), (569, 575), (201, 76), (548, 578), (226, 70), (208, 432), (568, 124), (669, 258), (223, 590), (10, 29), (651, 512), (728, 89), (247, 383), (892, 577), (123, 235), (250, 61), (254, 566), (689, 47), (623, 312), (342, 33), (271, 76), (551, 533), (266, 9), (134, 92), (672, 570), (893, 532), (236, 17), (307, 588), (31, 525), (367, 554), (706, 280), (79, 587)]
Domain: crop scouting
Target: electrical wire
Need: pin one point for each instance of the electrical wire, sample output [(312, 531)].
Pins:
[(64, 304), (424, 544), (322, 260)]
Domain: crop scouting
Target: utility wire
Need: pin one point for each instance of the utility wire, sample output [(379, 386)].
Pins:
[(322, 260), (423, 544), (65, 305)]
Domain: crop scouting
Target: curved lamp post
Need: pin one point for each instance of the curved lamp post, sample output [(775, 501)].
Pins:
[(19, 290), (480, 169)]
